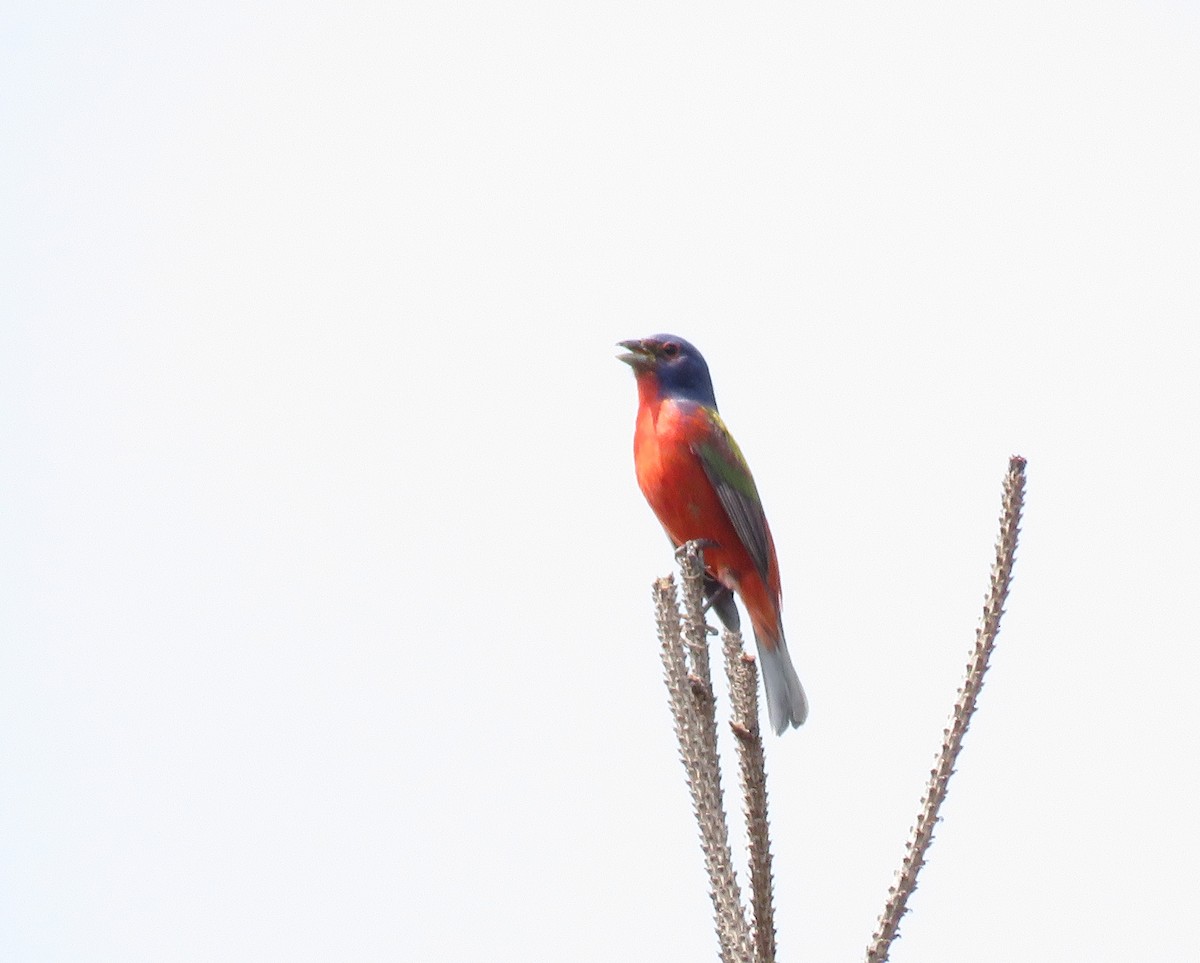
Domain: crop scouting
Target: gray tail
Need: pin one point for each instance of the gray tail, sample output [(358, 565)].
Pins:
[(786, 702)]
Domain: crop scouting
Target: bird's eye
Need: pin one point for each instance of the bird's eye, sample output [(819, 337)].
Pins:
[(670, 349)]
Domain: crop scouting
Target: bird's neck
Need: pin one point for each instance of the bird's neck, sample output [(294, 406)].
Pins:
[(649, 397)]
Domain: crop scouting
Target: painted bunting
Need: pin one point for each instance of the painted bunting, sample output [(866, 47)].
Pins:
[(695, 478)]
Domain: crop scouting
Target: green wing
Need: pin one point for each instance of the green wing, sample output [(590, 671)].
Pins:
[(729, 474)]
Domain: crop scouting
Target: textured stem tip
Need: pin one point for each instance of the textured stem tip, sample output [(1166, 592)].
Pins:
[(964, 707)]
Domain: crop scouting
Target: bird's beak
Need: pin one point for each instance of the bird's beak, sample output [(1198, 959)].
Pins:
[(636, 354)]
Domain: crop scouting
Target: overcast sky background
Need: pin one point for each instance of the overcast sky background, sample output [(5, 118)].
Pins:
[(325, 585)]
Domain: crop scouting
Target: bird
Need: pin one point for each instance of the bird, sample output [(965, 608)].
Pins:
[(699, 486)]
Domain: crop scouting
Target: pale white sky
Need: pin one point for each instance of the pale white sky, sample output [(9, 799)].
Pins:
[(324, 598)]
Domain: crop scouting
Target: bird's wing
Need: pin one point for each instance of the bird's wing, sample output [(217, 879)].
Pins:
[(729, 474)]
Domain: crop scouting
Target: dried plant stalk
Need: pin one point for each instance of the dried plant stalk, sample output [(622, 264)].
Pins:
[(684, 643), (964, 707), (666, 611), (695, 637), (743, 685)]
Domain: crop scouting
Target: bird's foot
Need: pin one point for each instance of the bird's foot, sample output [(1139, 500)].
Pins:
[(700, 543)]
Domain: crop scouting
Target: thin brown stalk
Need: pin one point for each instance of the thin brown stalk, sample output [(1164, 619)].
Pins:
[(964, 707), (675, 670), (743, 684)]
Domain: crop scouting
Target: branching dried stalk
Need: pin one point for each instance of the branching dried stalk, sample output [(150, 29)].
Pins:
[(964, 707), (693, 704)]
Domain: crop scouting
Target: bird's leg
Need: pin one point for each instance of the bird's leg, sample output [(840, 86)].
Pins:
[(717, 598), (714, 591), (717, 595)]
